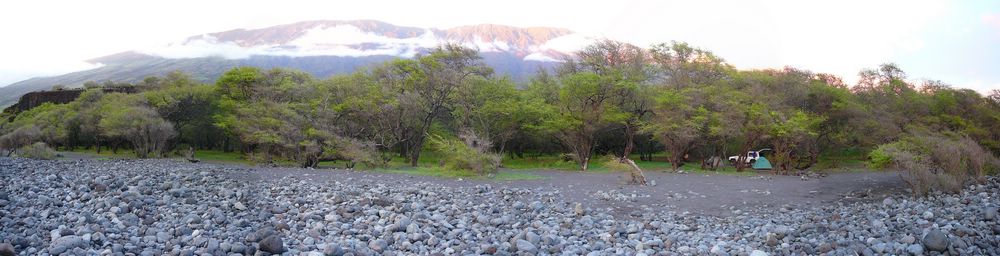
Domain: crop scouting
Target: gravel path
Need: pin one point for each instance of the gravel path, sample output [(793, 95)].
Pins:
[(165, 207)]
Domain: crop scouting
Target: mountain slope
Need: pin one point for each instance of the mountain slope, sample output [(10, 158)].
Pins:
[(322, 48)]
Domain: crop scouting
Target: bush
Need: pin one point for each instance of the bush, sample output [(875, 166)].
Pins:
[(469, 152), (356, 151), (930, 161), (39, 150), (20, 137)]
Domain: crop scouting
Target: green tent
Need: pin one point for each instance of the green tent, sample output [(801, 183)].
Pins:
[(762, 164)]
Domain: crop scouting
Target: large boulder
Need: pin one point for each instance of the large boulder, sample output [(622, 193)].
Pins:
[(271, 244), (935, 240)]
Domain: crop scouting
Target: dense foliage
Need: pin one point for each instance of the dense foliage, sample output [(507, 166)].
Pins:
[(611, 98)]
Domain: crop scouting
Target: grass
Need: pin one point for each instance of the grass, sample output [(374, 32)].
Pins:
[(106, 153), (502, 175), (221, 156), (513, 168)]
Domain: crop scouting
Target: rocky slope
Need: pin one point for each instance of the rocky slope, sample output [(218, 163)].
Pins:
[(153, 207)]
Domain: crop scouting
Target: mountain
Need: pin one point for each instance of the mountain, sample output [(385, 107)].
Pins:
[(322, 48)]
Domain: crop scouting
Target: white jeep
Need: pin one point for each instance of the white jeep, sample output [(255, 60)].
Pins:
[(751, 157)]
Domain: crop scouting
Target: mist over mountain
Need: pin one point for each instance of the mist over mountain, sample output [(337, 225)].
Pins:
[(322, 48)]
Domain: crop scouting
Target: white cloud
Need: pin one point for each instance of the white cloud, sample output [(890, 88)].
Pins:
[(569, 43), (539, 57)]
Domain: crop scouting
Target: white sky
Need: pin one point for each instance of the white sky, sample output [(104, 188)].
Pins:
[(46, 37)]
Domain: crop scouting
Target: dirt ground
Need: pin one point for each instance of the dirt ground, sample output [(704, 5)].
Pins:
[(712, 194), (707, 194)]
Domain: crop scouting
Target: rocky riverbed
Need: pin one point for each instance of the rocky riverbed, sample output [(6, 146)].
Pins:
[(165, 207)]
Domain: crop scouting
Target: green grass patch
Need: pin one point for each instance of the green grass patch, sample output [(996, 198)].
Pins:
[(502, 175), (220, 156), (106, 152)]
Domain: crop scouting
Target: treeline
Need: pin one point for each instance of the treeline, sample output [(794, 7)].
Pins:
[(611, 98)]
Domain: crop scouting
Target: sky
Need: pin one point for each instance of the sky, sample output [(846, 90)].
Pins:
[(952, 41)]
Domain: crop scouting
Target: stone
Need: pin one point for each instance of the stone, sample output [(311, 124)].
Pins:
[(378, 245), (525, 246), (239, 206), (490, 250), (271, 244), (66, 243), (935, 240), (333, 249), (908, 240), (927, 215), (824, 248), (758, 253), (6, 249), (888, 201), (532, 237), (772, 240), (990, 213), (915, 249)]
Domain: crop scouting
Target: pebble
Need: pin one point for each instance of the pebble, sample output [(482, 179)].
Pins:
[(202, 209)]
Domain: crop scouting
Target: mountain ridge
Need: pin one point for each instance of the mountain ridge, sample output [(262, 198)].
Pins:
[(320, 47)]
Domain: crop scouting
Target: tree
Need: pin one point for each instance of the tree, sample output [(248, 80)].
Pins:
[(18, 138), (788, 132), (622, 68), (425, 88), (141, 126), (681, 119), (681, 65), (495, 111), (189, 106), (239, 83), (583, 108)]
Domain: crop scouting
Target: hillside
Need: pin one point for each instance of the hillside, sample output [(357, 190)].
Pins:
[(321, 48)]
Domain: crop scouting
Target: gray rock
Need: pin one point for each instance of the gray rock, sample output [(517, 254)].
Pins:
[(927, 215), (333, 249), (525, 246), (990, 213), (772, 240), (888, 201), (271, 244), (6, 249), (378, 245), (758, 253), (65, 243), (935, 240), (908, 240), (915, 249)]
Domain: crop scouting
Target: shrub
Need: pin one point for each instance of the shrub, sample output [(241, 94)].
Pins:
[(356, 151), (20, 137), (39, 150), (930, 161), (469, 152)]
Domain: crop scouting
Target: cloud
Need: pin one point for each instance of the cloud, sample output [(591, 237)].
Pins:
[(992, 20), (10, 75), (351, 41), (342, 40)]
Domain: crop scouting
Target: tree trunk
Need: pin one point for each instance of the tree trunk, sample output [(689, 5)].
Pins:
[(415, 149), (636, 175), (629, 140), (741, 160)]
